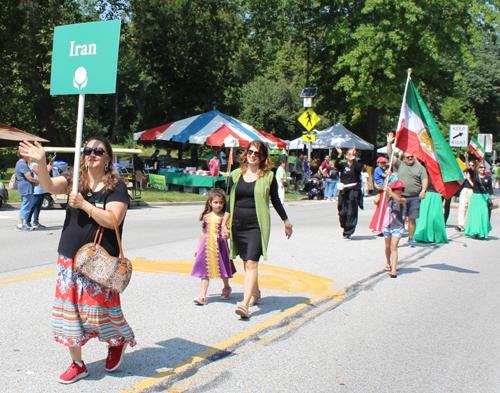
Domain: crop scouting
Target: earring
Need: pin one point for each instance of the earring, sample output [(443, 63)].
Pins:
[(106, 167), (86, 166)]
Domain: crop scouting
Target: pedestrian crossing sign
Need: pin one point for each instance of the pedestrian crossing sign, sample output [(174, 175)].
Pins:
[(308, 137), (309, 119)]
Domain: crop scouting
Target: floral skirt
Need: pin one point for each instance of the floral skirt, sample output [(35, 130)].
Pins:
[(84, 309)]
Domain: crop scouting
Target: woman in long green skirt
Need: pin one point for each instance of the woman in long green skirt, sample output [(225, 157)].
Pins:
[(478, 221), (430, 225)]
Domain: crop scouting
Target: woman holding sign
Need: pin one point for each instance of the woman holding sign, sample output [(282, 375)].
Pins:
[(82, 308)]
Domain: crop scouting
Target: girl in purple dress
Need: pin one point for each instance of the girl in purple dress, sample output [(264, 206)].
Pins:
[(212, 256)]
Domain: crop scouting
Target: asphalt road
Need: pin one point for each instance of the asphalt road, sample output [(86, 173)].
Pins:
[(331, 319)]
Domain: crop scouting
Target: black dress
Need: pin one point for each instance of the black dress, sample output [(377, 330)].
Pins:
[(245, 230), (350, 198)]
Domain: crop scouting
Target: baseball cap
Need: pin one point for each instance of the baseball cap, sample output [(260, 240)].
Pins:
[(397, 184)]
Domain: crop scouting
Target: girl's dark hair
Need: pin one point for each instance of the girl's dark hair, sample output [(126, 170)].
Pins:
[(214, 193), (110, 178), (265, 160)]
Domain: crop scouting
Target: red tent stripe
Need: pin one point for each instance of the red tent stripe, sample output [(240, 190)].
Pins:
[(218, 137), (151, 134), (281, 143)]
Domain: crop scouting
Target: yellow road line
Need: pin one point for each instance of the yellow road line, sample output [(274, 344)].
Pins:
[(35, 274), (272, 277), (189, 382), (180, 367)]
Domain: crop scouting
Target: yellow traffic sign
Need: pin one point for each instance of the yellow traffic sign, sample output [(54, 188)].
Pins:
[(309, 137), (309, 119)]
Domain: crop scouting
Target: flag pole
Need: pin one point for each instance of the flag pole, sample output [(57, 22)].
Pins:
[(78, 147), (386, 181)]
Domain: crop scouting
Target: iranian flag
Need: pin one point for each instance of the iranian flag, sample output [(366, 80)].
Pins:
[(476, 148), (419, 136)]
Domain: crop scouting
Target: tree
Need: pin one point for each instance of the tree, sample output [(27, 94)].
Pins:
[(26, 37), (272, 105), (372, 43), (483, 87), (184, 52)]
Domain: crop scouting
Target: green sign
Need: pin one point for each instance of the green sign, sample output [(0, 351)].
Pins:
[(85, 58), (157, 181)]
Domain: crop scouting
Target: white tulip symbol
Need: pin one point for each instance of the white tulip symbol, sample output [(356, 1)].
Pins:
[(80, 79)]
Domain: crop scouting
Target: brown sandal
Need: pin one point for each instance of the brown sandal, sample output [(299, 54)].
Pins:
[(255, 299), (242, 311)]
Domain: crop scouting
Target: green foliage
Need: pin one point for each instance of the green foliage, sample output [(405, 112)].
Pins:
[(183, 51), (483, 87), (250, 59), (273, 105), (372, 43), (26, 36), (455, 110)]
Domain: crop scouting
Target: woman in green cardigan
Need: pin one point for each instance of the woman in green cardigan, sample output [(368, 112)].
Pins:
[(248, 221)]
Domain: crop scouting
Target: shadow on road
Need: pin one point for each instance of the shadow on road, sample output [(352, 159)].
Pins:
[(148, 362), (444, 266), (437, 266), (373, 237)]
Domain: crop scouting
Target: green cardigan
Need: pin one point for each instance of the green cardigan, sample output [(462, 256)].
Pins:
[(261, 196)]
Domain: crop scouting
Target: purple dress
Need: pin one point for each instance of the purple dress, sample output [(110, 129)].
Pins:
[(212, 259)]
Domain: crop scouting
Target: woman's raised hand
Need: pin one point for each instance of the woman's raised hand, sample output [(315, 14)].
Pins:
[(32, 151), (390, 138)]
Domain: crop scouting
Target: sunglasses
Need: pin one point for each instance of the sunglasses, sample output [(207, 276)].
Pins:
[(253, 153), (480, 167), (409, 157), (99, 151)]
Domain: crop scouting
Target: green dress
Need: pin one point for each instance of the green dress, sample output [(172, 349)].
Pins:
[(430, 226), (478, 222)]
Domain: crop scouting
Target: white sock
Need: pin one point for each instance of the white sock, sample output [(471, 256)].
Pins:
[(19, 225), (80, 364)]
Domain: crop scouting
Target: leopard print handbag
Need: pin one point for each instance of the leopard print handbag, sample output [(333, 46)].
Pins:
[(95, 263)]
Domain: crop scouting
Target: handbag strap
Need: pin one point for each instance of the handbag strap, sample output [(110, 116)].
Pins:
[(115, 223), (481, 184), (100, 231)]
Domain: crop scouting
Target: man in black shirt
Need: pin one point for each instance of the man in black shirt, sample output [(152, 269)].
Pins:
[(350, 197), (154, 156)]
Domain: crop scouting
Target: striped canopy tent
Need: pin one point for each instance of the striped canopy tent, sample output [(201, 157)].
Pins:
[(213, 128)]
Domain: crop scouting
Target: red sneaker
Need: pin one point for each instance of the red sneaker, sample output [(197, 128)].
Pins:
[(115, 357), (74, 373)]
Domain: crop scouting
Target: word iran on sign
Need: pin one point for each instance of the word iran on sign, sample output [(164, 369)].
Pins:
[(90, 49)]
